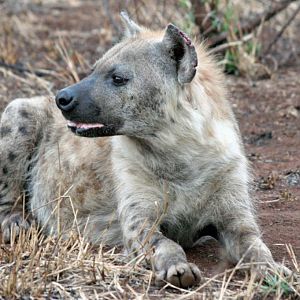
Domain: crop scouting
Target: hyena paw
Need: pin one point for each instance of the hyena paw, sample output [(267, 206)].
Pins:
[(182, 274), (13, 223), (282, 270), (264, 270)]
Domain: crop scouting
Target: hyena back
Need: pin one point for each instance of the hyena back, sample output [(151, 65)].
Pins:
[(163, 164)]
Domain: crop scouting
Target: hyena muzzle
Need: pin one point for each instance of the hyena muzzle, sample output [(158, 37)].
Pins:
[(163, 164)]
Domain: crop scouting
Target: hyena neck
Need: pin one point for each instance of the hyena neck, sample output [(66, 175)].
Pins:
[(200, 127), (200, 134), (188, 146)]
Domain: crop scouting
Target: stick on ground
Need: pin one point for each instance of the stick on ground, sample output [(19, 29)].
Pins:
[(254, 23), (283, 28)]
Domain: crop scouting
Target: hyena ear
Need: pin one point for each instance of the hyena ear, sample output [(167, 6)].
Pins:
[(182, 50), (131, 28)]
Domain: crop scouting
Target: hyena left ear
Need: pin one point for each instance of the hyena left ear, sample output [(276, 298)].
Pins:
[(131, 28), (182, 50)]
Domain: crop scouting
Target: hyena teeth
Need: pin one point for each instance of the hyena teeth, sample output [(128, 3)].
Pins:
[(88, 126), (71, 124), (84, 126)]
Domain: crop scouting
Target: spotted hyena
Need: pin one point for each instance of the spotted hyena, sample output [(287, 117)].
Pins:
[(152, 158)]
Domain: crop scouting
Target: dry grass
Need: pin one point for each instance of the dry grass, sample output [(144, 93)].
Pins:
[(37, 267), (40, 267)]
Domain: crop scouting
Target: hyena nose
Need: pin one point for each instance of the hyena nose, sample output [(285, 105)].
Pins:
[(65, 100)]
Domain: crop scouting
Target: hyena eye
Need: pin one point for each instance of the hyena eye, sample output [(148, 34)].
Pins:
[(118, 80)]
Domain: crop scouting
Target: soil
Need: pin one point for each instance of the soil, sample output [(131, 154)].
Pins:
[(268, 112)]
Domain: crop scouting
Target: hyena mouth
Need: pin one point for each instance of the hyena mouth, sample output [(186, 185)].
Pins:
[(92, 130)]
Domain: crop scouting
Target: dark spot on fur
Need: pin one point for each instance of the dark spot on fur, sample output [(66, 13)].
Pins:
[(4, 131), (134, 218), (4, 190), (154, 135), (156, 241), (172, 120), (2, 195), (23, 130), (24, 113), (11, 156), (154, 100), (132, 205), (4, 170), (48, 136), (66, 165), (133, 227), (129, 244)]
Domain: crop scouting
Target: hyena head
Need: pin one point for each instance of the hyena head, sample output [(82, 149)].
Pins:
[(132, 85)]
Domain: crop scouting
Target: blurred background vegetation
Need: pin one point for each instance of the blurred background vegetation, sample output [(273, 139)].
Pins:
[(60, 40)]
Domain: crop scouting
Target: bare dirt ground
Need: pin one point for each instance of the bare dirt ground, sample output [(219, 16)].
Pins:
[(44, 37)]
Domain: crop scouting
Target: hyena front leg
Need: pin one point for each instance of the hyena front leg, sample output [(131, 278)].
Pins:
[(242, 240), (139, 211), (20, 130)]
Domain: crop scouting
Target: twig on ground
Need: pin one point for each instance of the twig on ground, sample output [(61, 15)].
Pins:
[(225, 46), (283, 28), (31, 80), (22, 69), (254, 23)]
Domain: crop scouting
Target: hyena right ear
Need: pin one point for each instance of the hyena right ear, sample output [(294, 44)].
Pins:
[(182, 50), (131, 28)]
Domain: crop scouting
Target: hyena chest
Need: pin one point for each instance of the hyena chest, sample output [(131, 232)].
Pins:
[(172, 169), (184, 217)]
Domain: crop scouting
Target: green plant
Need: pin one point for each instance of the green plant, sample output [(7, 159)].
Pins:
[(186, 4), (231, 63), (273, 284), (229, 19), (253, 48), (188, 22)]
